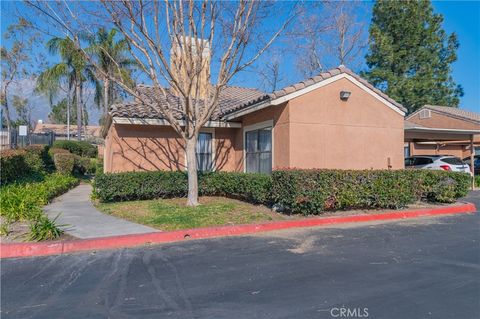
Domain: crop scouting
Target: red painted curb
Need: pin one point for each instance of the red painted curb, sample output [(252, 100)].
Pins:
[(12, 250)]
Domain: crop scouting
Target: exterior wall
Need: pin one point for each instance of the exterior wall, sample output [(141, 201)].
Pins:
[(442, 149), (438, 120), (361, 133), (280, 134), (460, 149), (315, 130), (153, 147)]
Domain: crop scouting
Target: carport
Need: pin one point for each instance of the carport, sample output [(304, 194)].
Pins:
[(438, 140)]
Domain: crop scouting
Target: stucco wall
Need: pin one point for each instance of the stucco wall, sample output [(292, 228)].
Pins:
[(438, 120), (361, 133), (153, 147), (442, 149), (281, 136)]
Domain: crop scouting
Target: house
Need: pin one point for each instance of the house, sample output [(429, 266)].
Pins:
[(435, 130), (333, 120), (61, 132)]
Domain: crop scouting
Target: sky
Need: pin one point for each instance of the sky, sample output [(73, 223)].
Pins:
[(461, 17)]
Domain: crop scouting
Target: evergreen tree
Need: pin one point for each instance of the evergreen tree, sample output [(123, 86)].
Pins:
[(410, 55)]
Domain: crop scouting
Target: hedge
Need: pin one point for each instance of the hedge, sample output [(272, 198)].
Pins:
[(80, 148), (64, 163), (16, 164), (296, 191), (314, 191), (254, 188)]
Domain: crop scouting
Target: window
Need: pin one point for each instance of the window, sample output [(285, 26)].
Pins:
[(258, 150), (406, 150), (408, 162), (422, 161), (204, 152), (453, 161)]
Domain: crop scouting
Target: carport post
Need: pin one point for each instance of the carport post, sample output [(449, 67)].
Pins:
[(472, 168)]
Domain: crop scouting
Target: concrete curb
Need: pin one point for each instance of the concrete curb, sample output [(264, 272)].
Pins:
[(12, 250)]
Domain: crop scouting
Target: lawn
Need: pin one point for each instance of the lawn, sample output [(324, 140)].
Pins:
[(172, 214)]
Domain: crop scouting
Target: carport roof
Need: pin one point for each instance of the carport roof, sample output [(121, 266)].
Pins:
[(414, 131)]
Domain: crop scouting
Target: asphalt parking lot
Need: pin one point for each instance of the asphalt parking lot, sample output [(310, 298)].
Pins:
[(422, 268)]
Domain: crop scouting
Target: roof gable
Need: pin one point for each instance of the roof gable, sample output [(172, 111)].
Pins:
[(449, 111), (306, 86)]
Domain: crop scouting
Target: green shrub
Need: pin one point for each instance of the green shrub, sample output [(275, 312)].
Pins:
[(99, 167), (253, 188), (250, 187), (13, 165), (314, 191), (38, 158), (477, 180), (297, 191), (44, 229), (81, 148), (64, 163), (81, 165), (24, 201), (16, 164), (140, 185)]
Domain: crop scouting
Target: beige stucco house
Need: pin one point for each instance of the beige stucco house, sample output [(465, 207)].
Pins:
[(334, 120)]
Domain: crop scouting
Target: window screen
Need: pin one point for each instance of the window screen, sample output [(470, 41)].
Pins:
[(204, 152), (258, 151)]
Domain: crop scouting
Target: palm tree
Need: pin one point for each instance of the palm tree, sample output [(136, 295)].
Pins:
[(113, 62), (73, 70)]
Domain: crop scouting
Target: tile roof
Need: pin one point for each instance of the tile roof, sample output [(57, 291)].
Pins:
[(61, 129), (331, 73), (232, 98), (448, 110), (319, 78)]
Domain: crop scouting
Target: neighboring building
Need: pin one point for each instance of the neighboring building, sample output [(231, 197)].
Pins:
[(334, 120), (61, 133), (435, 130)]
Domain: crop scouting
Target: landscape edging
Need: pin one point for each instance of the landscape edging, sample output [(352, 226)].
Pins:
[(12, 250)]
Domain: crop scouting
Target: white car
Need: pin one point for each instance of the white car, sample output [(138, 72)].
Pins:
[(438, 162)]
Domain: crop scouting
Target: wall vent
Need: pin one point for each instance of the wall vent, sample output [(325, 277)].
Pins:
[(425, 114)]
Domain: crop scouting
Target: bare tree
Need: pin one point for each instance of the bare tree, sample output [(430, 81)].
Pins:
[(271, 74), (332, 34), (173, 44)]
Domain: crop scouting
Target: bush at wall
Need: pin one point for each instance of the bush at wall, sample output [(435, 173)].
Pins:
[(314, 191), (297, 191), (64, 163), (81, 148), (250, 187), (253, 188)]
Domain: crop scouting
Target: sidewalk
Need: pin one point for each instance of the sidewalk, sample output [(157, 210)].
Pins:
[(83, 220)]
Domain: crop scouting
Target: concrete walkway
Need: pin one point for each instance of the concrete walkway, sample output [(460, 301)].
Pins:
[(83, 220)]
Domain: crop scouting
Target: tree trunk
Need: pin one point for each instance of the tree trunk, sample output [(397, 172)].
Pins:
[(68, 114), (106, 91), (192, 199), (79, 110), (6, 111)]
